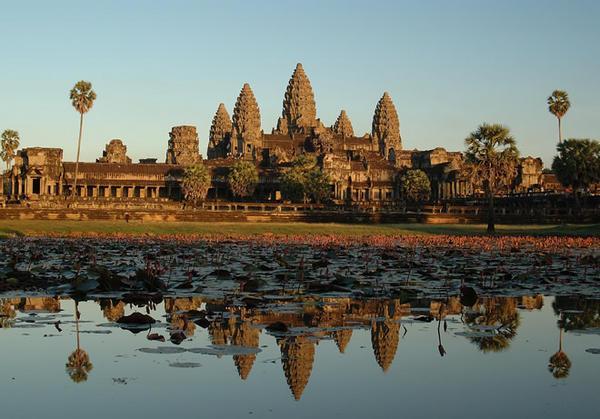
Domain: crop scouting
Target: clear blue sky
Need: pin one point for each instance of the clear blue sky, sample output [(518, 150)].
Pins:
[(449, 65)]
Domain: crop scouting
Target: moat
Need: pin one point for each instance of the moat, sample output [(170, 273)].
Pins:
[(300, 326), (302, 357)]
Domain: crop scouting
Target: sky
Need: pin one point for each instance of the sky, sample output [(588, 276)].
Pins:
[(449, 65)]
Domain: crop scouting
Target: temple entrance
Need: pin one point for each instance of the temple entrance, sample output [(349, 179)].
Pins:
[(35, 185)]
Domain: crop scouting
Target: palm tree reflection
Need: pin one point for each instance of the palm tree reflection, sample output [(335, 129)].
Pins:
[(78, 364), (559, 364), (499, 314)]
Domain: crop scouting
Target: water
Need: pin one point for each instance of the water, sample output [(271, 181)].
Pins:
[(299, 358)]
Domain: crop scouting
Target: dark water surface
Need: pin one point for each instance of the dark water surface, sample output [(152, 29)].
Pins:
[(301, 358)]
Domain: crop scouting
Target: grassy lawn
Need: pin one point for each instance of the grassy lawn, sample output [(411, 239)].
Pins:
[(41, 227)]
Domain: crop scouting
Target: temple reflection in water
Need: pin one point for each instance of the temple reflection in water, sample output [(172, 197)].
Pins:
[(299, 324)]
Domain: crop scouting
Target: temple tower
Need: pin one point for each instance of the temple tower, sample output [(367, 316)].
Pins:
[(183, 146), (386, 128), (219, 141), (246, 134), (299, 110), (115, 152), (343, 126)]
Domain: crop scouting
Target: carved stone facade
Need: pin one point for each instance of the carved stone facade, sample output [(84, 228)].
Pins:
[(530, 173), (183, 146), (362, 169), (115, 152), (36, 171)]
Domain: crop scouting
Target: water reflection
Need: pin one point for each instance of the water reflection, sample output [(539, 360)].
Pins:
[(299, 324), (78, 364)]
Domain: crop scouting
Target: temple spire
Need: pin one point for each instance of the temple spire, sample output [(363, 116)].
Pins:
[(386, 128), (385, 336), (246, 123), (343, 126), (220, 133), (297, 357), (299, 109)]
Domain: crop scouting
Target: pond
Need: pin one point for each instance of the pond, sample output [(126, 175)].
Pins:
[(297, 327), (298, 357)]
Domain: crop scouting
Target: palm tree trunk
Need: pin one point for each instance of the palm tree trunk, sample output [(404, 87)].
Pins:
[(77, 323), (577, 201), (74, 191), (491, 228), (559, 132), (560, 340)]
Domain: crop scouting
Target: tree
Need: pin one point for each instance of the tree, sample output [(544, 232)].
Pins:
[(82, 98), (577, 164), (305, 180), (493, 155), (318, 185), (10, 143), (243, 178), (558, 105), (415, 186), (196, 181)]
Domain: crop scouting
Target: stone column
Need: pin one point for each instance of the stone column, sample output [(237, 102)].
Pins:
[(119, 191), (143, 192)]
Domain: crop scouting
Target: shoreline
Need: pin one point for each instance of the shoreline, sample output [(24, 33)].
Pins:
[(245, 231)]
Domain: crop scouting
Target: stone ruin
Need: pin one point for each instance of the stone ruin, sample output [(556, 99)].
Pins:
[(183, 148), (115, 152)]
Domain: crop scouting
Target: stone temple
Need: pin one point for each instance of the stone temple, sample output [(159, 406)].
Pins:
[(362, 168)]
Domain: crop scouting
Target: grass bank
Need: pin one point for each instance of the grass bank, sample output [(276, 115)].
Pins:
[(10, 228)]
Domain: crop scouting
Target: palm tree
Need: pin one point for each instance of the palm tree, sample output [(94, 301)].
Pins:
[(196, 182), (82, 98), (78, 364), (10, 143), (558, 105), (493, 156)]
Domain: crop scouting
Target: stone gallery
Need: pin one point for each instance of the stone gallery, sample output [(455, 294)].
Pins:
[(361, 168)]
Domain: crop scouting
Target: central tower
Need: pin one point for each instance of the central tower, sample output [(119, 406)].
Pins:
[(299, 110)]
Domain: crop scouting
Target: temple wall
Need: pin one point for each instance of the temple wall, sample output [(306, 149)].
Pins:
[(292, 213)]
